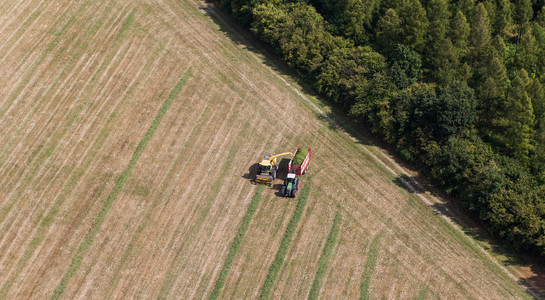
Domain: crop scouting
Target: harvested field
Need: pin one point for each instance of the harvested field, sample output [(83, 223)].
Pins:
[(127, 133)]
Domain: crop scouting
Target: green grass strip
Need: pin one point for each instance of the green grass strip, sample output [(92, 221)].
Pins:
[(95, 226), (176, 268), (322, 263), (274, 269), (423, 293), (235, 246), (369, 268)]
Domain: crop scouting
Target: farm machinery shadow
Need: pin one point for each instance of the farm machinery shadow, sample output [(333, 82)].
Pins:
[(280, 175)]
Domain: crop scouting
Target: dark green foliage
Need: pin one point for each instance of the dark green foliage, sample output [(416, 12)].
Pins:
[(518, 123), (440, 57), (455, 86), (348, 70), (455, 111), (388, 31), (523, 11), (527, 57), (297, 32), (406, 66), (502, 17), (413, 23), (459, 32)]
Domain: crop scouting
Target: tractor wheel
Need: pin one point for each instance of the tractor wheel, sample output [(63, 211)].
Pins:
[(292, 193), (273, 174), (283, 191)]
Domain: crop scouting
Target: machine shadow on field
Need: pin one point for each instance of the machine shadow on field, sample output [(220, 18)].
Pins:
[(281, 175), (338, 119), (252, 170)]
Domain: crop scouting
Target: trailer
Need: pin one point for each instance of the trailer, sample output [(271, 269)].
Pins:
[(298, 164)]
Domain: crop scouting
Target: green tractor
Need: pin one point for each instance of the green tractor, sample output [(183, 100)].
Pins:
[(291, 185)]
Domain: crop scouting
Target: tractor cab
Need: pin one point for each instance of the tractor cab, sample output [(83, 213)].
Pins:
[(291, 185)]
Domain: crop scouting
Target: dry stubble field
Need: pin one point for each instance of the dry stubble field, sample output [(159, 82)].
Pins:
[(127, 130)]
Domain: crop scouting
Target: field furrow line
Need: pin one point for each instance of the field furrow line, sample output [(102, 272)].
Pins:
[(39, 158), (30, 111), (324, 259), (187, 157), (83, 45), (31, 75), (8, 15), (78, 217), (235, 245), (228, 67), (21, 29), (175, 269), (50, 120), (278, 261), (84, 246), (164, 211), (369, 267), (78, 174), (165, 188)]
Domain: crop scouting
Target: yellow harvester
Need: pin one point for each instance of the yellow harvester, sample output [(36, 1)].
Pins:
[(267, 168)]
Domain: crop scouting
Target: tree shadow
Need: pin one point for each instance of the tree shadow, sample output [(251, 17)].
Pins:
[(537, 281), (404, 181)]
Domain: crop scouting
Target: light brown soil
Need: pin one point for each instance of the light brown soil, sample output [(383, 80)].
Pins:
[(82, 83)]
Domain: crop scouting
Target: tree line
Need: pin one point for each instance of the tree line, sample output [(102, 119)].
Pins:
[(457, 87)]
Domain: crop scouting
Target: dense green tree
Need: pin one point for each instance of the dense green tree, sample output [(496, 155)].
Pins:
[(414, 23), (481, 48), (465, 167), (357, 19), (350, 18), (446, 70), (540, 18), (406, 66), (527, 55), (536, 92), (465, 6), (347, 70), (492, 94), (519, 119), (502, 18), (459, 33), (298, 33), (480, 32), (455, 111), (414, 116), (523, 11), (388, 31), (373, 105), (499, 46), (440, 55)]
